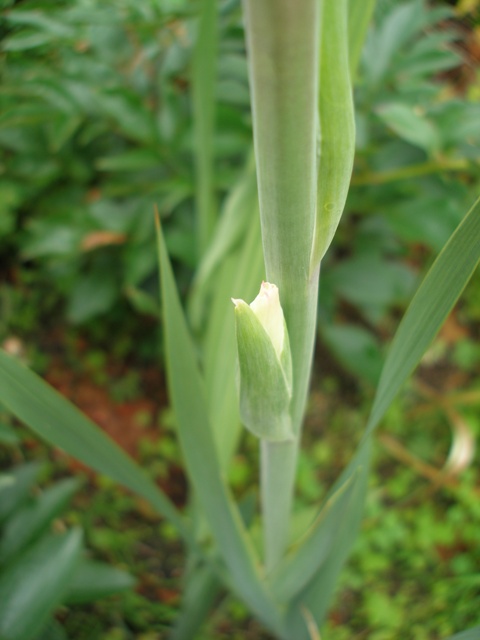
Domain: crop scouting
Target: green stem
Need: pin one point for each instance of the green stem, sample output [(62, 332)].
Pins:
[(279, 459), (282, 42), (277, 475)]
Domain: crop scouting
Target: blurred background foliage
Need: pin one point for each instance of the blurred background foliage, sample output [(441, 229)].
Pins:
[(96, 129)]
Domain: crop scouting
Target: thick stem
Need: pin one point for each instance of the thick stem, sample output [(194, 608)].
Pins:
[(282, 42), (279, 459), (277, 475)]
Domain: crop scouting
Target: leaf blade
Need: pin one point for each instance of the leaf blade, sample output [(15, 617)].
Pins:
[(433, 301), (187, 395), (468, 634), (61, 424), (294, 574), (94, 580), (32, 519), (203, 98), (34, 585)]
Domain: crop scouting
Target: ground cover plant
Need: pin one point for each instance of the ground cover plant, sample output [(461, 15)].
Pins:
[(280, 582), (41, 570)]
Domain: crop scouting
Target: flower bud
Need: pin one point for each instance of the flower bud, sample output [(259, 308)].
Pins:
[(265, 365)]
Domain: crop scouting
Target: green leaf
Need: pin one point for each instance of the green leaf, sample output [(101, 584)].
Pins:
[(357, 350), (203, 102), (42, 21), (187, 394), (281, 39), (35, 584), (233, 265), (400, 25), (469, 634), (130, 114), (265, 384), (142, 301), (315, 597), (336, 124), (51, 240), (231, 229), (359, 15), (93, 294), (132, 160), (26, 40), (310, 553), (13, 495), (372, 284), (429, 308), (32, 519), (6, 480), (239, 275), (59, 422), (411, 125), (8, 435), (201, 591), (94, 580), (52, 630)]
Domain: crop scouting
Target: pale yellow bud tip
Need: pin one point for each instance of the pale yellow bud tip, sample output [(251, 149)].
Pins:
[(266, 307)]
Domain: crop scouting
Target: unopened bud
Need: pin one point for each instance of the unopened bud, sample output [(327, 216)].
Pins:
[(265, 365)]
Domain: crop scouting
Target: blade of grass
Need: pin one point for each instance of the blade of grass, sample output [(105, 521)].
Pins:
[(236, 216), (187, 395), (431, 304), (233, 263), (240, 274), (95, 580), (33, 518), (201, 591), (310, 553), (315, 597), (468, 634), (13, 494), (433, 301), (61, 424), (33, 585)]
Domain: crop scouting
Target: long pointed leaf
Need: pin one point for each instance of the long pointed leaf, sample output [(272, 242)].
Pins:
[(307, 559), (32, 519), (187, 394), (13, 495), (239, 277), (433, 301), (203, 94), (59, 422), (94, 580), (469, 634), (201, 591), (35, 584), (315, 597), (429, 308), (230, 231)]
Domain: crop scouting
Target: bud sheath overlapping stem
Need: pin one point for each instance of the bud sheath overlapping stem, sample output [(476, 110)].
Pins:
[(265, 365)]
